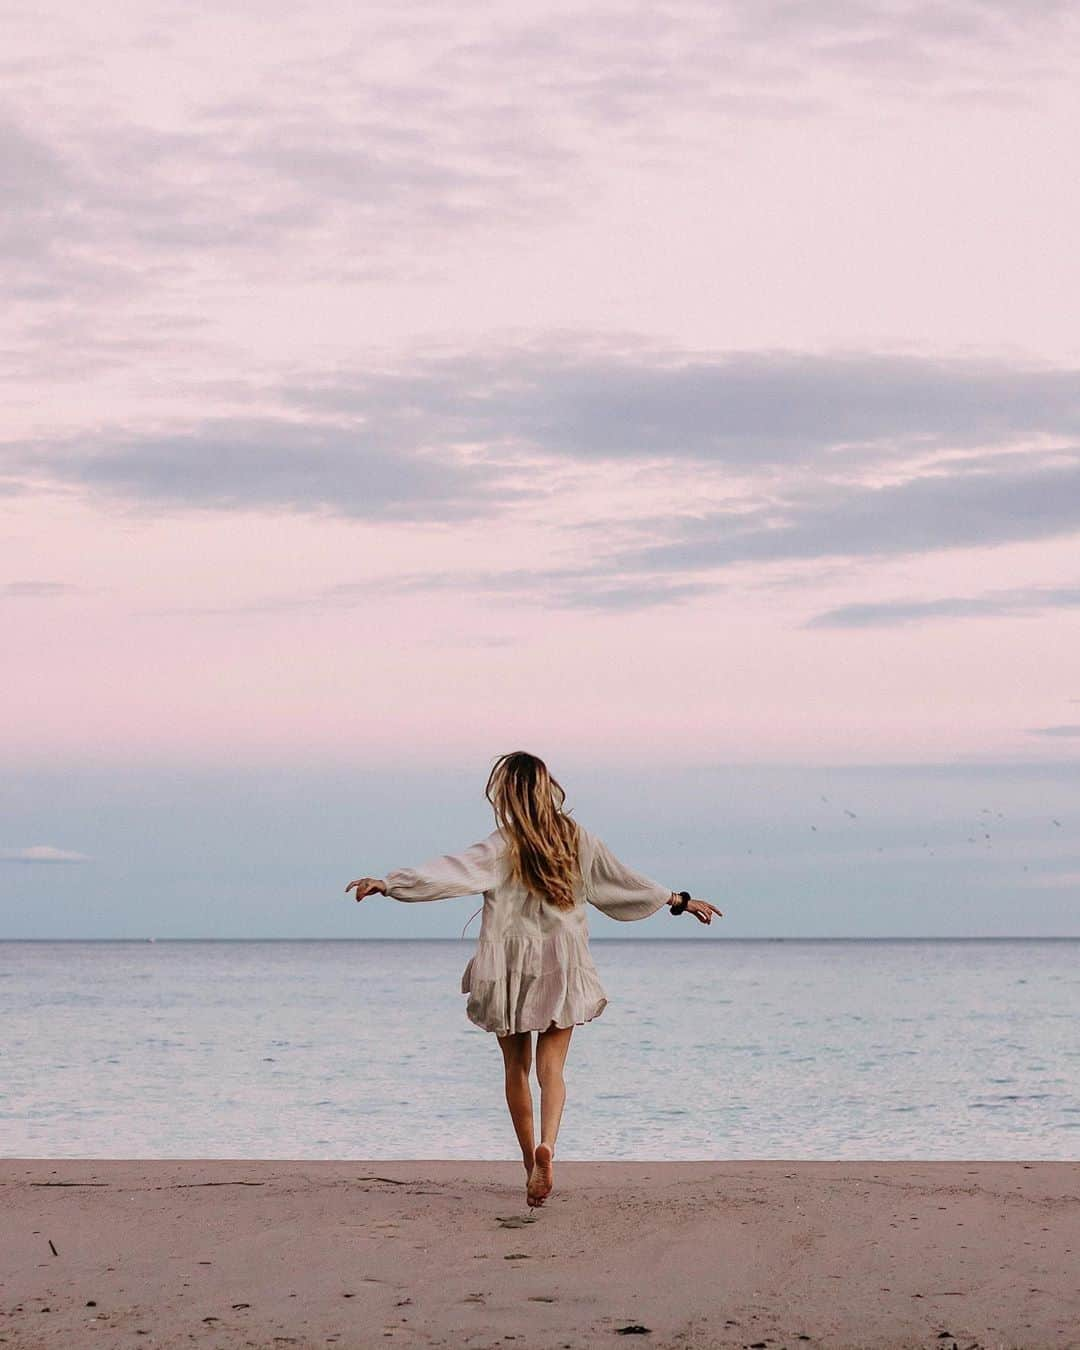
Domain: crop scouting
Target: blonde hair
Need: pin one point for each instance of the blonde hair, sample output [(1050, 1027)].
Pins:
[(542, 839)]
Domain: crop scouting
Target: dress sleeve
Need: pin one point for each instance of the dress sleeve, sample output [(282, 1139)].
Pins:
[(621, 893), (470, 873)]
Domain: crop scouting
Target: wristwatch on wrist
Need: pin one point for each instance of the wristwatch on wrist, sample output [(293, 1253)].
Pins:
[(684, 900)]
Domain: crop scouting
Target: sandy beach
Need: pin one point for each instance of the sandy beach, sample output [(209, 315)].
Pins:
[(765, 1254)]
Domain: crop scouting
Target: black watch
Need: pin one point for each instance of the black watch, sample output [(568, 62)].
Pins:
[(684, 900)]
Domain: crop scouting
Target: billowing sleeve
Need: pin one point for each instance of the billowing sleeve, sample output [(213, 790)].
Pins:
[(470, 873), (621, 893)]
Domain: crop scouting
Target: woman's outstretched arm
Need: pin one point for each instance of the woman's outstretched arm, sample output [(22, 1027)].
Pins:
[(618, 890), (624, 894), (451, 874)]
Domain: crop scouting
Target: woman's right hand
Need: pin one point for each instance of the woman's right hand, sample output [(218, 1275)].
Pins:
[(367, 886), (703, 910)]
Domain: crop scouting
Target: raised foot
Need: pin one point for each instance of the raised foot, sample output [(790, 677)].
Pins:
[(542, 1176)]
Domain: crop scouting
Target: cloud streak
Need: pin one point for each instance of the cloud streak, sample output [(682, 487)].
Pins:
[(42, 853), (992, 604), (359, 162), (926, 514), (742, 409), (278, 464), (433, 427), (36, 590), (781, 457)]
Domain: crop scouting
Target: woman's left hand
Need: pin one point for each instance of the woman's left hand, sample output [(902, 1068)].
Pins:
[(367, 886), (703, 910)]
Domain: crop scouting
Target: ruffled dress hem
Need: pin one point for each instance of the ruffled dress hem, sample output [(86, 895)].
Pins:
[(522, 984), (547, 1026), (561, 1026)]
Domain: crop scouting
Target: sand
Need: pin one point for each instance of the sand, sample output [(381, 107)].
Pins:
[(274, 1254)]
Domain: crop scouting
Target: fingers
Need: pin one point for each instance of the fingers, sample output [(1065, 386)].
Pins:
[(704, 911)]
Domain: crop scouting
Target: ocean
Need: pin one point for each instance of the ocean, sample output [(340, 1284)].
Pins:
[(795, 1049)]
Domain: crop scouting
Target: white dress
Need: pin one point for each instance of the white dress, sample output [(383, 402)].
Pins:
[(532, 965)]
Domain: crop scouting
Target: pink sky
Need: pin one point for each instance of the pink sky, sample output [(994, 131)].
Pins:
[(667, 382)]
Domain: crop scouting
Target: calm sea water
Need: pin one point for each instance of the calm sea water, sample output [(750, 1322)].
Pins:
[(709, 1049)]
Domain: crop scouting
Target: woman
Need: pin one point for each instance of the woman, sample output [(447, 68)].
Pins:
[(532, 969)]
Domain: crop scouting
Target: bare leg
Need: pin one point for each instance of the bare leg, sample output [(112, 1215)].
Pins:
[(551, 1048), (517, 1064)]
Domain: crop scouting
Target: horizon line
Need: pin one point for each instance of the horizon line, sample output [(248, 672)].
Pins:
[(920, 937)]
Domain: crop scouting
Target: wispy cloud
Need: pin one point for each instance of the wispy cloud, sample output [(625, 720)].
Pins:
[(358, 163), (779, 458), (742, 409), (244, 463), (36, 590), (1066, 730), (992, 604), (117, 211), (467, 432), (42, 853), (929, 512), (550, 588)]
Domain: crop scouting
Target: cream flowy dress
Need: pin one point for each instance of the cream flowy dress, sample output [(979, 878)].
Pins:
[(532, 964)]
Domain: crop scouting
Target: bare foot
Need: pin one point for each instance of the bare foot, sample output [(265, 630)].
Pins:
[(542, 1177)]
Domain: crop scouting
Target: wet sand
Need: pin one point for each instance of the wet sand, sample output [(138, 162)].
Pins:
[(687, 1255)]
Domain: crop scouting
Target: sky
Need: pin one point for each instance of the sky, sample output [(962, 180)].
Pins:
[(686, 392)]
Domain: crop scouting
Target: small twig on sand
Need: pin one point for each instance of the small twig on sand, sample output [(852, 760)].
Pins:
[(69, 1183), (193, 1185)]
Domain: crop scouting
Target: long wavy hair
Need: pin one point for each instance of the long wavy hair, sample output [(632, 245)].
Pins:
[(542, 839)]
